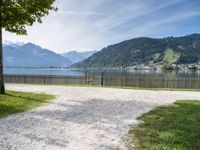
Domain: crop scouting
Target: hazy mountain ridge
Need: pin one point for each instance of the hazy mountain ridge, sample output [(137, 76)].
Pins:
[(75, 56), (31, 55), (149, 51)]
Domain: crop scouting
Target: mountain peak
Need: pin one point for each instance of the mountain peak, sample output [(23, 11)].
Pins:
[(195, 34), (29, 44), (75, 56), (31, 55)]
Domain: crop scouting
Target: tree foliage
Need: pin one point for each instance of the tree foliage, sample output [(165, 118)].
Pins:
[(17, 14)]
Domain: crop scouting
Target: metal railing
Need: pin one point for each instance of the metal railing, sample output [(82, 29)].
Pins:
[(106, 80)]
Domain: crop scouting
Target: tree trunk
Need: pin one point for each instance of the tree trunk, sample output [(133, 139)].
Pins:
[(2, 87)]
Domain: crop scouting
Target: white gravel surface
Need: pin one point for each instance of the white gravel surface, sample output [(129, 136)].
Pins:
[(80, 118)]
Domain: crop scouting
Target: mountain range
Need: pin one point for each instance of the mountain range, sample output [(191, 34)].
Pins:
[(75, 56), (31, 55), (148, 51), (143, 50)]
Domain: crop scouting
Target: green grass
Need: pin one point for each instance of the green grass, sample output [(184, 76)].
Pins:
[(170, 56), (176, 127), (153, 89), (126, 87), (15, 102)]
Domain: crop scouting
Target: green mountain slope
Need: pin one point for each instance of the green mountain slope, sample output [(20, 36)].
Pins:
[(149, 51)]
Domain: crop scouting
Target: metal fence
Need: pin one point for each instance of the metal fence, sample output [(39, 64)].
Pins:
[(106, 80), (43, 79), (154, 82)]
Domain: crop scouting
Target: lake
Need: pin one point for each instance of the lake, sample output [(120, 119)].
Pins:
[(97, 72)]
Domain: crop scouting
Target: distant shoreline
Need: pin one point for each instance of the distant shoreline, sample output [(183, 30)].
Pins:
[(188, 67), (37, 67)]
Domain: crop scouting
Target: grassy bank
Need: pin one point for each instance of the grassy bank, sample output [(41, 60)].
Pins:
[(125, 87), (153, 89), (14, 102), (176, 127)]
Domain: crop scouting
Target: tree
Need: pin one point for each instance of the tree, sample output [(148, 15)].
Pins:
[(15, 16)]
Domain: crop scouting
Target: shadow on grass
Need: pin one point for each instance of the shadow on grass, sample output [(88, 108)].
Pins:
[(7, 110), (35, 99), (176, 127), (14, 102), (26, 98)]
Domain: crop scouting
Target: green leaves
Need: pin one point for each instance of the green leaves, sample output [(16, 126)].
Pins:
[(17, 14)]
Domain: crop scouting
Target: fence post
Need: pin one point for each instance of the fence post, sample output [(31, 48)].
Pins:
[(126, 78), (85, 77), (44, 80), (102, 75), (24, 79)]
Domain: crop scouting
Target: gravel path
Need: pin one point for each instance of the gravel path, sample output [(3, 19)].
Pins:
[(80, 118)]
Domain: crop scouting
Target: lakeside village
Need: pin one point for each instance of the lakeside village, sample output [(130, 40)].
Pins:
[(172, 67), (181, 67)]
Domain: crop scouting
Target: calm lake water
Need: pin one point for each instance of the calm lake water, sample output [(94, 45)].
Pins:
[(81, 72)]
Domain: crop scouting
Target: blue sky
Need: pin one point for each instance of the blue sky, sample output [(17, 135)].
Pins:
[(93, 24)]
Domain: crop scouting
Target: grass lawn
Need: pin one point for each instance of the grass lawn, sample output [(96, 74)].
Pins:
[(126, 87), (176, 127), (14, 102), (155, 89)]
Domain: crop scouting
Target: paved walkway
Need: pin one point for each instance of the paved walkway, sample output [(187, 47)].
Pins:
[(80, 118)]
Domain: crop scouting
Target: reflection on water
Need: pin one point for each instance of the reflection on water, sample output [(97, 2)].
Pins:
[(97, 72), (44, 71)]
